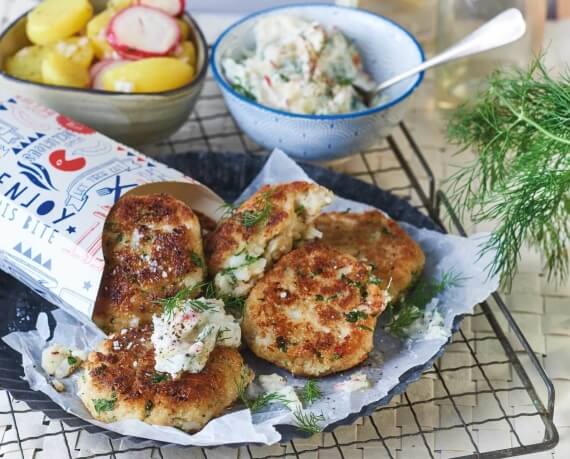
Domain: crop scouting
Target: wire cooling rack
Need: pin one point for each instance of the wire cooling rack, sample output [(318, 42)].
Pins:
[(487, 397)]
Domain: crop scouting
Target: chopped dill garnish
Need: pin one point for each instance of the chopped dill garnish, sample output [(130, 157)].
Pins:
[(311, 392), (234, 306), (300, 210), (227, 209), (171, 304), (159, 377), (243, 91), (221, 333), (411, 307), (250, 218), (71, 360), (102, 404), (259, 402), (308, 422), (197, 259), (518, 129), (355, 315), (364, 327)]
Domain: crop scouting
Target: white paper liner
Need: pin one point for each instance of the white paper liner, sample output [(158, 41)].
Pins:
[(390, 359)]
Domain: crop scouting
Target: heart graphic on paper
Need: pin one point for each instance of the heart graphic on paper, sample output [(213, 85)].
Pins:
[(58, 160)]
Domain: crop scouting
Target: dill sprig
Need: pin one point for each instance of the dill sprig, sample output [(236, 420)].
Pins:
[(250, 218), (310, 392), (411, 307), (519, 129), (259, 402), (308, 422), (182, 298)]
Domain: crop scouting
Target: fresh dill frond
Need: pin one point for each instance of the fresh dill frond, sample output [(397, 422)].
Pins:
[(227, 209), (518, 128), (411, 307), (197, 259), (259, 402), (243, 91), (250, 218), (182, 297), (235, 306), (311, 392), (308, 422)]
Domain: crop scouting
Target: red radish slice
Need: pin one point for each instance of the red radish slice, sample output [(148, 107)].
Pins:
[(98, 70), (139, 31), (171, 7)]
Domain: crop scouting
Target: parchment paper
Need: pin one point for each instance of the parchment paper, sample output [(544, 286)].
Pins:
[(390, 359)]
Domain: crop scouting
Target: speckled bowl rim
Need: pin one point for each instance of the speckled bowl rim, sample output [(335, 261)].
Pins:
[(196, 81), (221, 80)]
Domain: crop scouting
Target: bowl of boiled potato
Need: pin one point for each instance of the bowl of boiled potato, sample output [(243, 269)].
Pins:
[(131, 69)]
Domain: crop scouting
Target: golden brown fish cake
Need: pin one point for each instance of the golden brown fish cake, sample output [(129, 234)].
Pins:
[(314, 312), (152, 248), (396, 259), (260, 231), (119, 382)]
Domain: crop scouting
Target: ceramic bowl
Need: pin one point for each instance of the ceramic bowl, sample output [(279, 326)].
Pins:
[(386, 48), (133, 119)]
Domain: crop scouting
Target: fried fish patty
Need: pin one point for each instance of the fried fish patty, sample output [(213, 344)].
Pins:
[(152, 248), (119, 382), (396, 259), (260, 231), (314, 312)]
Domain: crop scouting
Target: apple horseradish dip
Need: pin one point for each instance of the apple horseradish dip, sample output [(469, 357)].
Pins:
[(300, 67), (184, 338)]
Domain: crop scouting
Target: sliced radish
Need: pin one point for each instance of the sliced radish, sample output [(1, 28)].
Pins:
[(172, 7), (140, 31), (98, 70)]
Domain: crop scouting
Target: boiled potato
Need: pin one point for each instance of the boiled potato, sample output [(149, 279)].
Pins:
[(60, 71), (155, 74), (184, 29), (96, 29), (27, 63), (76, 49), (54, 20), (186, 52)]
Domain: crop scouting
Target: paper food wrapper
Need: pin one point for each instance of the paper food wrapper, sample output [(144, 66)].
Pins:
[(58, 181), (53, 208)]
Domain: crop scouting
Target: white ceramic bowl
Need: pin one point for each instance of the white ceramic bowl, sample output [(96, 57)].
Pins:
[(133, 119), (386, 48)]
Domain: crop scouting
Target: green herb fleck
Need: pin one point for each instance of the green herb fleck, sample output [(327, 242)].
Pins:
[(311, 392), (319, 297), (364, 327), (101, 405), (71, 360), (243, 91), (300, 210), (355, 315), (157, 377), (182, 298), (197, 260)]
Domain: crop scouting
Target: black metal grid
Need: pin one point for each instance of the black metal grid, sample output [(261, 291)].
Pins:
[(212, 129)]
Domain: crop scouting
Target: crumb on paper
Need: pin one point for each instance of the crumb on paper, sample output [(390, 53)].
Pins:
[(61, 361), (357, 381), (58, 385)]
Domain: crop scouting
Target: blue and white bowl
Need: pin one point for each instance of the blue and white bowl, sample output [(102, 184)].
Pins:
[(386, 48)]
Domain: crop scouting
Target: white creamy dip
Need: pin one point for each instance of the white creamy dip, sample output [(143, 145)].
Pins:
[(184, 339), (278, 384), (300, 67)]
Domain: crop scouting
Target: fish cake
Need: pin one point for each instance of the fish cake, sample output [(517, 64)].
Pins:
[(314, 312), (152, 247), (261, 230), (396, 259), (119, 382)]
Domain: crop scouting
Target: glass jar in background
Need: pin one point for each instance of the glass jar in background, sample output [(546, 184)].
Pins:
[(417, 16), (457, 81)]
